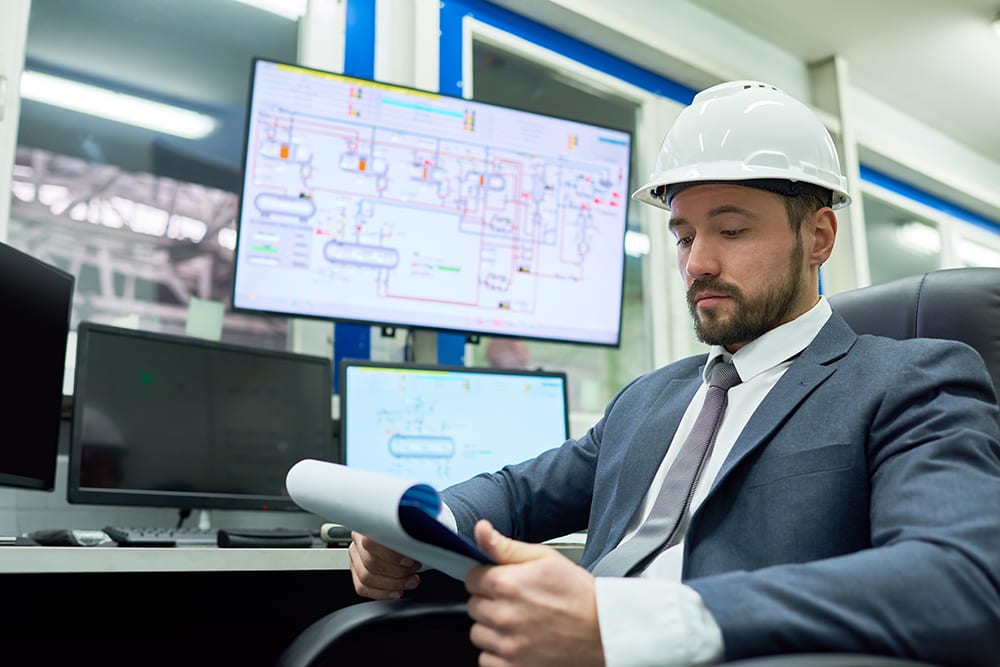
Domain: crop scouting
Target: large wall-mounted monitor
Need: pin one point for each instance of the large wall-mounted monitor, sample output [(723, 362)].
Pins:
[(36, 299), (178, 422), (380, 204), (442, 424)]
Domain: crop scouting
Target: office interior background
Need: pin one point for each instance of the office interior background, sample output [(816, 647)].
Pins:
[(146, 220)]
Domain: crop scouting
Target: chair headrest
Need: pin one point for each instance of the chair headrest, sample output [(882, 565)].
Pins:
[(957, 304)]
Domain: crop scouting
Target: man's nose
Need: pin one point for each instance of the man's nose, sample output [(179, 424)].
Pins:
[(701, 260)]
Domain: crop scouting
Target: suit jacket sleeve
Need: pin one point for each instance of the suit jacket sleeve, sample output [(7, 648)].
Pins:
[(540, 499), (928, 584)]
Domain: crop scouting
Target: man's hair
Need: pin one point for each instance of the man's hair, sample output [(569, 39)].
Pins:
[(800, 207)]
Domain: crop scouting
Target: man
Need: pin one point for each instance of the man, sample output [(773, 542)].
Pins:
[(851, 499)]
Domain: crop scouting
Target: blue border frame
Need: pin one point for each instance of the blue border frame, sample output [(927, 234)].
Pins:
[(450, 67), (359, 39), (933, 201)]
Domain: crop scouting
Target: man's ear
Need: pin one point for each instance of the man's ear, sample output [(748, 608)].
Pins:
[(823, 225)]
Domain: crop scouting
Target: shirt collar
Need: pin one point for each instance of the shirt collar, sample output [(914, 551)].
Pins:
[(776, 346)]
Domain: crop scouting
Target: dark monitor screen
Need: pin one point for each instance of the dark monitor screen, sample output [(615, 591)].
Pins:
[(441, 424), (36, 299), (172, 421), (386, 205)]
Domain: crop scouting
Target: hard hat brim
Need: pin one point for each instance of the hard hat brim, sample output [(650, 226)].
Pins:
[(652, 191)]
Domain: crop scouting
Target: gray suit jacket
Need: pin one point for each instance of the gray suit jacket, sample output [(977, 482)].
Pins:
[(858, 511)]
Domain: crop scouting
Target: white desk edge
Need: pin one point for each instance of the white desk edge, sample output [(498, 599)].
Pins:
[(173, 559), (48, 560)]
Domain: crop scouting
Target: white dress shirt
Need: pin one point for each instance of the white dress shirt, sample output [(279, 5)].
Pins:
[(654, 619)]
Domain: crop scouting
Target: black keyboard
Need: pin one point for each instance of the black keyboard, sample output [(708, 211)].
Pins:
[(136, 536)]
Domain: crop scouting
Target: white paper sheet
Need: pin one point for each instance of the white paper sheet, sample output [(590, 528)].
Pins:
[(399, 513)]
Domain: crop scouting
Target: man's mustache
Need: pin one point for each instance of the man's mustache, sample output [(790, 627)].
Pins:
[(713, 285)]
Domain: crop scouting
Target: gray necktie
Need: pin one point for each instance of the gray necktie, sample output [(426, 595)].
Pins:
[(666, 523)]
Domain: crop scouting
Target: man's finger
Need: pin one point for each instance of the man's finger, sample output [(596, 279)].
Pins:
[(504, 550), (384, 553), (369, 583)]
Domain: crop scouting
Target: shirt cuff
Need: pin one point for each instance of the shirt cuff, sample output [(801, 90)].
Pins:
[(447, 517), (654, 623)]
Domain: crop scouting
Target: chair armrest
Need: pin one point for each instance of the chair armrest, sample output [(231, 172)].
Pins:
[(386, 632), (825, 660)]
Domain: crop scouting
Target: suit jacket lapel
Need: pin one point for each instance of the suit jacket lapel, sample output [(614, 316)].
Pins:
[(646, 451), (816, 363)]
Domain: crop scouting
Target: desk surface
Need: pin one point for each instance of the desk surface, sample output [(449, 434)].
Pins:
[(28, 560)]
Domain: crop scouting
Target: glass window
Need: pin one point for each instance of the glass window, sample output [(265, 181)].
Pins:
[(502, 76), (144, 217), (900, 242), (976, 246)]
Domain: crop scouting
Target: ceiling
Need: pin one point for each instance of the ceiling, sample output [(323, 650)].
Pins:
[(936, 60)]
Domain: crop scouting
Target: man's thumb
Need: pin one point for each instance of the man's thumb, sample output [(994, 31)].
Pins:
[(504, 550)]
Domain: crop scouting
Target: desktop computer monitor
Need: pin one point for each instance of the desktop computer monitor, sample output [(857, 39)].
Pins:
[(374, 203), (441, 424), (172, 421), (37, 299)]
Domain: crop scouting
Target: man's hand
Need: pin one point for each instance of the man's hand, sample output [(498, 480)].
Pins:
[(379, 572), (535, 608)]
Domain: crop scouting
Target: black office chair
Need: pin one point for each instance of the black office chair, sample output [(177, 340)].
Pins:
[(386, 632), (957, 304)]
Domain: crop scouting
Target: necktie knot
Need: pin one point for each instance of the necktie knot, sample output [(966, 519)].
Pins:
[(723, 375)]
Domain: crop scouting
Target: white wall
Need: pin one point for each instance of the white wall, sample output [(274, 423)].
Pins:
[(896, 143)]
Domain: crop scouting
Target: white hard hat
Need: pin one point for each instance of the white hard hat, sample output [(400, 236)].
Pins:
[(748, 133)]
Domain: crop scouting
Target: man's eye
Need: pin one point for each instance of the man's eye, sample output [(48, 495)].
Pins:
[(684, 241), (732, 233)]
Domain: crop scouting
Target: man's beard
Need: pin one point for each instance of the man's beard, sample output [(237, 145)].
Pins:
[(753, 317)]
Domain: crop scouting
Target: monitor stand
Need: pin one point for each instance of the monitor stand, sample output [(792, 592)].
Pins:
[(422, 347)]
